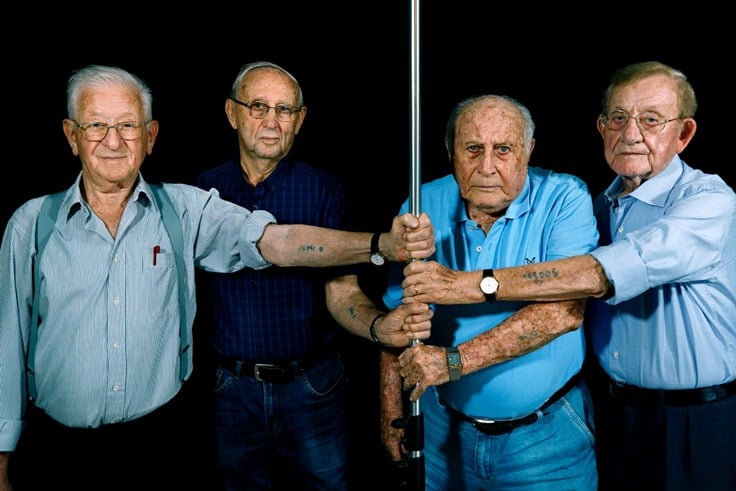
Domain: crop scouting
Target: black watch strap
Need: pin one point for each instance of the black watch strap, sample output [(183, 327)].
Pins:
[(376, 257)]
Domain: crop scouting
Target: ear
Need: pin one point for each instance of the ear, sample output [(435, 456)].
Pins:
[(300, 117), (599, 125), (152, 128), (230, 113), (69, 126), (687, 131)]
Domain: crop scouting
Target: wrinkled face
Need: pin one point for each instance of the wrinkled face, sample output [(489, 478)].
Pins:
[(267, 138), (490, 160), (113, 159), (636, 153)]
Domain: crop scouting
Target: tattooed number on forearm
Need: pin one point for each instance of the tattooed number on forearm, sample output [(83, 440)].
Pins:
[(537, 276), (311, 248)]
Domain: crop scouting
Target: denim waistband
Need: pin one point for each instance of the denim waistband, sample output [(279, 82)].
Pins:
[(275, 373)]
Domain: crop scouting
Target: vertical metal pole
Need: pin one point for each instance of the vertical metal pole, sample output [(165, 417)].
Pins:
[(415, 423)]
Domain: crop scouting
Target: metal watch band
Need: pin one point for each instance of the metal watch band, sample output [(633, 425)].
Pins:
[(454, 363)]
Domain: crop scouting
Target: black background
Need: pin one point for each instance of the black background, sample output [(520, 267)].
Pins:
[(354, 63), (353, 60)]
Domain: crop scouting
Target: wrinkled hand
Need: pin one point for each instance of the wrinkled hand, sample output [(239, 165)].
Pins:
[(410, 238), (422, 366), (431, 282), (404, 324)]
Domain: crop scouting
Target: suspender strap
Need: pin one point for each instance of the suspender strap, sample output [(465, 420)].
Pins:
[(44, 227), (173, 227)]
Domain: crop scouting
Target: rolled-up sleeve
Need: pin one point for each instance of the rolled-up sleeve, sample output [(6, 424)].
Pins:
[(624, 269), (253, 228)]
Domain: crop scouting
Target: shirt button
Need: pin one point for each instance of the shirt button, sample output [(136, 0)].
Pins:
[(616, 354), (116, 345), (478, 249), (116, 387)]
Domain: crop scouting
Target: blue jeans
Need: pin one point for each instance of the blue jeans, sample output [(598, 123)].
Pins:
[(555, 453), (283, 436)]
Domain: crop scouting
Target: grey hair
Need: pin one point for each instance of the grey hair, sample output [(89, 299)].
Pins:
[(638, 71), (245, 69), (526, 116), (105, 76)]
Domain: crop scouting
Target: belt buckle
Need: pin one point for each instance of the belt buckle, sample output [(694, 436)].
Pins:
[(257, 369), (485, 421)]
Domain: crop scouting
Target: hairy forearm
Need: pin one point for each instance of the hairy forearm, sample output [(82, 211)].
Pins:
[(306, 245), (562, 279), (390, 381), (349, 306), (530, 328), (391, 403)]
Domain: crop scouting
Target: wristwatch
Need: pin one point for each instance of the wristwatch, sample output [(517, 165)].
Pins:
[(376, 257), (454, 363), (489, 285)]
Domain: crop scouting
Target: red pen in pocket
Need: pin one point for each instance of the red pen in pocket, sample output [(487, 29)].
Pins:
[(156, 250)]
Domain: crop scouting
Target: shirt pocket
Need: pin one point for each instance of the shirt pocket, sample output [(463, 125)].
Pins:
[(159, 283)]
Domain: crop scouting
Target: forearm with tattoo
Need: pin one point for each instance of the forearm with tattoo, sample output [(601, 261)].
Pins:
[(562, 279)]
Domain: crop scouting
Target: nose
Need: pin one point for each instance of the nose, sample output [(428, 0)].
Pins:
[(631, 132), (486, 164)]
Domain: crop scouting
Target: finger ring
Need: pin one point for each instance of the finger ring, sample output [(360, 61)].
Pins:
[(416, 290)]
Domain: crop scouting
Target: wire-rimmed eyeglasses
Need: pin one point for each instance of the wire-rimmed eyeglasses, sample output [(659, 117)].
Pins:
[(647, 121), (259, 109), (95, 131)]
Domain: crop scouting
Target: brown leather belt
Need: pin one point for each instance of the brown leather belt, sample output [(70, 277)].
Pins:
[(675, 397), (500, 426)]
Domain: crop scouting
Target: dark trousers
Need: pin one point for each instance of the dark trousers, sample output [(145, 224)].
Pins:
[(166, 449), (658, 447)]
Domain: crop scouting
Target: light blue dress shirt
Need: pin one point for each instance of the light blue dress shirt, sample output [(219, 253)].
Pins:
[(552, 218), (672, 261), (108, 338)]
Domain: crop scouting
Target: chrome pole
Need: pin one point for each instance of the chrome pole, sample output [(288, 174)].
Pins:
[(414, 430)]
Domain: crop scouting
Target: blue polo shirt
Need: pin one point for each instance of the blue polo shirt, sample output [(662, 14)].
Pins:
[(552, 218)]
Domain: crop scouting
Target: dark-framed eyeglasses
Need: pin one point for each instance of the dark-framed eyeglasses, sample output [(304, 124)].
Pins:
[(95, 131), (647, 121), (259, 109)]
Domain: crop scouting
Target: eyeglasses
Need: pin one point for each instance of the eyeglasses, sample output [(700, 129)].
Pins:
[(649, 121), (259, 109), (95, 131)]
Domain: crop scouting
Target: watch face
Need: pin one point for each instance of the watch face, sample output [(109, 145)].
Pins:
[(377, 259), (489, 285)]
